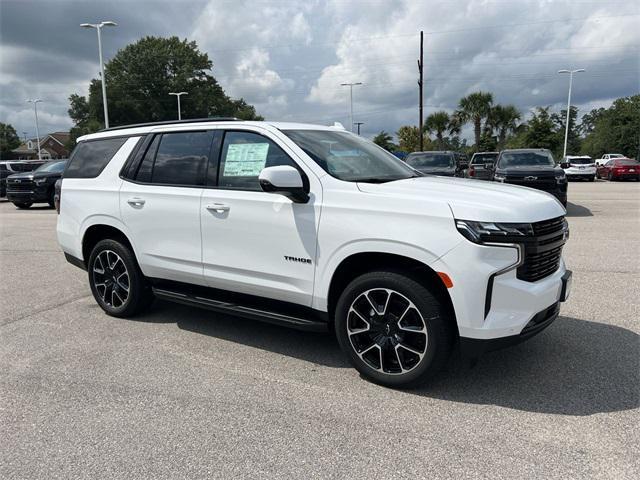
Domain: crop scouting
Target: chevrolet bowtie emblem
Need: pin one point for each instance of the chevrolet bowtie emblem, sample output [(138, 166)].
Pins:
[(530, 179)]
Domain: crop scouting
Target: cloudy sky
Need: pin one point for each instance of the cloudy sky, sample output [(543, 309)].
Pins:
[(289, 57)]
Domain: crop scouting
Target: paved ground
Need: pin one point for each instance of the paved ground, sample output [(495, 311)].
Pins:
[(184, 393)]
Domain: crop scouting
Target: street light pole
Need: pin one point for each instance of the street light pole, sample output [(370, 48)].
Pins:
[(35, 109), (357, 124), (178, 94), (350, 85), (566, 128), (103, 80)]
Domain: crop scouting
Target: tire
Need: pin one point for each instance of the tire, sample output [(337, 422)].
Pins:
[(416, 344), (592, 179), (117, 283), (23, 205), (52, 201), (610, 177)]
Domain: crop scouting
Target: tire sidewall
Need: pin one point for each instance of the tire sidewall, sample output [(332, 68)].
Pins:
[(431, 311)]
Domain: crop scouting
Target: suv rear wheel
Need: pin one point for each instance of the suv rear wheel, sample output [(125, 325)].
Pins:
[(22, 205), (116, 281), (393, 329)]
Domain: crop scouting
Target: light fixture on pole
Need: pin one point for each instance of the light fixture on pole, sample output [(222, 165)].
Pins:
[(178, 94), (350, 85), (35, 109), (566, 129), (98, 27)]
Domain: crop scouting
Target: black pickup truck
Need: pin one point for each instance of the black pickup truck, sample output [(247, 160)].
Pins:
[(25, 189), (534, 168)]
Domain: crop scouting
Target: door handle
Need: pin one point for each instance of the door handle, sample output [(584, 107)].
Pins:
[(136, 201), (218, 207)]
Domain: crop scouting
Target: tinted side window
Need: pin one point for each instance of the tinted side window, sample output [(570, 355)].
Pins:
[(182, 158), (244, 155), (146, 166), (90, 157)]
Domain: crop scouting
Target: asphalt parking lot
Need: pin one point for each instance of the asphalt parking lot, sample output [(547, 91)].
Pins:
[(186, 393)]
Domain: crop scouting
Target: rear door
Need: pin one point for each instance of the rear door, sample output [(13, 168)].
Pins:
[(255, 242), (160, 204)]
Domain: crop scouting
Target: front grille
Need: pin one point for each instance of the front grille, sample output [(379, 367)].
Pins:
[(545, 184), (23, 186), (543, 251)]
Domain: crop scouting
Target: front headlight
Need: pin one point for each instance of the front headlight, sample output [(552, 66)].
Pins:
[(488, 232), (40, 181), (499, 178), (561, 177)]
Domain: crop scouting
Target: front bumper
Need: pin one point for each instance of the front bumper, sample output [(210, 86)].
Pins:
[(37, 194), (492, 305)]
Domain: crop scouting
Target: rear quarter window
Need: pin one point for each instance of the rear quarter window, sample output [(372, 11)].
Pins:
[(90, 157)]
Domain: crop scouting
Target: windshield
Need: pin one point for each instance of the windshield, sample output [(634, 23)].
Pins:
[(616, 155), (351, 158), (580, 161), (526, 159), (626, 162), (430, 160), (483, 158), (53, 167)]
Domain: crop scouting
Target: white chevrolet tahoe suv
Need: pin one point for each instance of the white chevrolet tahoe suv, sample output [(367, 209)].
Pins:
[(313, 227)]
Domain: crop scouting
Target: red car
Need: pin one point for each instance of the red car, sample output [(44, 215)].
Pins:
[(619, 169)]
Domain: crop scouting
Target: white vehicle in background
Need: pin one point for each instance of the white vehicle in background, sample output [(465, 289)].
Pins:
[(581, 167), (608, 156), (313, 227)]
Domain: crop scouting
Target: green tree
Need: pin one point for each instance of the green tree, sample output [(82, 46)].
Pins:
[(615, 129), (8, 139), (437, 123), (504, 120), (409, 139), (139, 79), (385, 140), (541, 131), (475, 108), (573, 138)]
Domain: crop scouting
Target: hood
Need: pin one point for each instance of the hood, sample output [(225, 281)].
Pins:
[(21, 176), (437, 170), (474, 200)]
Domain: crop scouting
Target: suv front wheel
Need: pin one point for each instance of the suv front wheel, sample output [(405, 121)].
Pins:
[(393, 329), (116, 281)]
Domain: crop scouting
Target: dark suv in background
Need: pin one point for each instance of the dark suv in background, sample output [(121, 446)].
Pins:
[(9, 167), (534, 168), (25, 189), (435, 163)]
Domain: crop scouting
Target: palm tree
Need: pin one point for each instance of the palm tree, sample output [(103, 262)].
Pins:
[(474, 108), (384, 140), (504, 119), (437, 123)]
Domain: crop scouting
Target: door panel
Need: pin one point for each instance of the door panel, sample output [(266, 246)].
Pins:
[(164, 222), (246, 243)]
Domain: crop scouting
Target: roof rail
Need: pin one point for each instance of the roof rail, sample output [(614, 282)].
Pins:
[(172, 122)]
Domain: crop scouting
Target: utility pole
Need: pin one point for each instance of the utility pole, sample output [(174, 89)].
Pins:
[(178, 94), (566, 129), (24, 134), (420, 84), (35, 109), (350, 85), (103, 80), (357, 124)]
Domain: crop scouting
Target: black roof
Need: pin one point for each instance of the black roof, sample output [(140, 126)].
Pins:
[(173, 122)]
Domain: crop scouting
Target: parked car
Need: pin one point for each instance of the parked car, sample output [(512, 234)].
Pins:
[(25, 189), (608, 156), (313, 227), (620, 169), (434, 163), (462, 161), (481, 165), (580, 168), (533, 168), (9, 167)]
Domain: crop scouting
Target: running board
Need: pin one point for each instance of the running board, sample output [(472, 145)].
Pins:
[(269, 316)]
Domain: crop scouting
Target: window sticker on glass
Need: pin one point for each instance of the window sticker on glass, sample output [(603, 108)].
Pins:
[(245, 159)]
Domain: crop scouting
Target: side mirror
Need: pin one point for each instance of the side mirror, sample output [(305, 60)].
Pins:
[(565, 165), (284, 180)]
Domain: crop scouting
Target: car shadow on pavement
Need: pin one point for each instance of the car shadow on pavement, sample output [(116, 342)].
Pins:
[(575, 367), (574, 210)]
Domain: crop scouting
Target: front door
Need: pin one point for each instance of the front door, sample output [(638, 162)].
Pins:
[(255, 242)]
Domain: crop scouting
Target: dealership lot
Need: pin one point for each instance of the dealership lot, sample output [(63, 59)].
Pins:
[(181, 392)]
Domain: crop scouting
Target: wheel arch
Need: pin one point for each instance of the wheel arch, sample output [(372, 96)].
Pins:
[(100, 231), (363, 262)]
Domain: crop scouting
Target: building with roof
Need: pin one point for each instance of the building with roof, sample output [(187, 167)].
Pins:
[(52, 147)]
